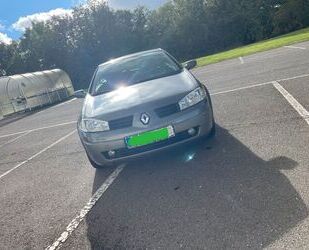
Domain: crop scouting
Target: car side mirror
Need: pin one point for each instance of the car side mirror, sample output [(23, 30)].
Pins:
[(190, 64), (80, 93)]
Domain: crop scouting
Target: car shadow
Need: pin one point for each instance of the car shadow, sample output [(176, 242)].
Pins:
[(214, 195)]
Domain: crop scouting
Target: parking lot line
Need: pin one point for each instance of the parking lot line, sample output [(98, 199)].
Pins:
[(86, 209), (37, 154), (241, 88), (257, 85), (295, 47), (37, 129), (15, 139), (294, 103)]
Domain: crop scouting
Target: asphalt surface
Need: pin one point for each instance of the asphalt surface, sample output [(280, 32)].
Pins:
[(245, 189)]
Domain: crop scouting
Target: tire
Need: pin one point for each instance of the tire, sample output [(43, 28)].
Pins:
[(93, 164), (212, 132)]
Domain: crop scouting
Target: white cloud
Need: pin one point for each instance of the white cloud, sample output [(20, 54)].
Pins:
[(2, 27), (131, 4), (5, 39), (26, 22)]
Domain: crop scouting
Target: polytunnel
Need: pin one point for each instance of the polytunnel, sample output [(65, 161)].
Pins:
[(31, 90)]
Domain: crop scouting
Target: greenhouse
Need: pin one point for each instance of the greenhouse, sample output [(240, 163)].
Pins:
[(31, 90)]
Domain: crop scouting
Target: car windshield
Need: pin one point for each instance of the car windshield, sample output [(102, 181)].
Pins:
[(133, 70)]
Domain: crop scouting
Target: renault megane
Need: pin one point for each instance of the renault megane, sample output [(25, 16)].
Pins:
[(142, 103)]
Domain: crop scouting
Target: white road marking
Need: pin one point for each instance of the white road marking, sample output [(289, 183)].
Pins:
[(37, 129), (241, 88), (37, 154), (257, 85), (241, 60), (86, 209), (15, 139), (294, 103), (294, 47), (293, 78)]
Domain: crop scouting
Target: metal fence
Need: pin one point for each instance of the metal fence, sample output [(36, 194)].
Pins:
[(28, 91)]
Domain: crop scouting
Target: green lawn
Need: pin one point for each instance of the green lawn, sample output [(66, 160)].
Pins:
[(294, 37)]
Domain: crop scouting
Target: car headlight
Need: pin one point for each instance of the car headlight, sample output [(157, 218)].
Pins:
[(192, 98), (93, 125)]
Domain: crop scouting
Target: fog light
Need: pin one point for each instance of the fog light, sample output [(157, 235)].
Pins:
[(191, 131), (111, 153)]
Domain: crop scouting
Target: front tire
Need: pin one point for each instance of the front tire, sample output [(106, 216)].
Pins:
[(93, 164), (212, 132)]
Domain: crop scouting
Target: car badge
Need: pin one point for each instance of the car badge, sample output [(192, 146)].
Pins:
[(145, 118)]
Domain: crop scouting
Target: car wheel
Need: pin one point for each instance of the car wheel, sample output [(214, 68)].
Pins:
[(93, 164), (212, 132)]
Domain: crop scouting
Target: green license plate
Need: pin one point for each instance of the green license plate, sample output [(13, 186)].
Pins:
[(149, 137)]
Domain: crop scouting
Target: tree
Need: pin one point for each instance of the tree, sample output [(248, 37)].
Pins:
[(95, 33), (291, 15)]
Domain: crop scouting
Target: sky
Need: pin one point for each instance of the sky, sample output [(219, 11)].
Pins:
[(16, 15)]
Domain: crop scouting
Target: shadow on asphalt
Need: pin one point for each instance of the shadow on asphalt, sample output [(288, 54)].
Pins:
[(213, 195)]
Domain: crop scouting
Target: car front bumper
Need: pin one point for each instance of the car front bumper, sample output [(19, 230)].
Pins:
[(97, 145)]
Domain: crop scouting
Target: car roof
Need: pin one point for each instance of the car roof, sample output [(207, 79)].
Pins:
[(133, 55)]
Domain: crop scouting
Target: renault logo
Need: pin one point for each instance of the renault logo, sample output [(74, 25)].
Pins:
[(145, 118)]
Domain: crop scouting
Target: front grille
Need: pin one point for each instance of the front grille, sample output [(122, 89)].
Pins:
[(167, 110), (124, 152), (124, 122)]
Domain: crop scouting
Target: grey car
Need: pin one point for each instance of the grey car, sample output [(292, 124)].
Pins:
[(141, 103)]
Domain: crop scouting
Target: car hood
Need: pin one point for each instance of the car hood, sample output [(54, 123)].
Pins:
[(154, 93)]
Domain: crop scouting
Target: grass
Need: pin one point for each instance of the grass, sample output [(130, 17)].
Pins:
[(288, 39)]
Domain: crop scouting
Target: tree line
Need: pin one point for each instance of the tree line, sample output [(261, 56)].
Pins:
[(95, 33)]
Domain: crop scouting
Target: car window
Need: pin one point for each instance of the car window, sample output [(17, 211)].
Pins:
[(133, 70)]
